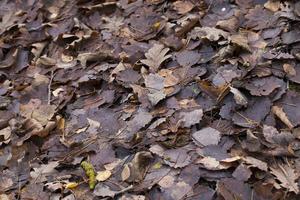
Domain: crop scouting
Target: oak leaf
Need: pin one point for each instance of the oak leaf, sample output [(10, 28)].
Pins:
[(156, 56)]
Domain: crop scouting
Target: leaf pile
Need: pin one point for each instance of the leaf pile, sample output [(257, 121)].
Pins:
[(149, 99)]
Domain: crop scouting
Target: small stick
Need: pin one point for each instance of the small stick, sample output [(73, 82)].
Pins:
[(49, 87)]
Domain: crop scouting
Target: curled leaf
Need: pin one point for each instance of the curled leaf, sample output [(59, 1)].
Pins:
[(278, 111), (239, 97), (71, 185)]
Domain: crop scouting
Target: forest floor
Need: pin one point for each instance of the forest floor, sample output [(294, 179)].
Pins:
[(149, 100)]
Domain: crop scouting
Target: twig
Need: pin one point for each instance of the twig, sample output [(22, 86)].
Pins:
[(49, 87), (124, 190)]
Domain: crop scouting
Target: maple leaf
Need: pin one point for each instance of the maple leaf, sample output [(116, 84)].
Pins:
[(156, 56), (287, 176), (113, 24)]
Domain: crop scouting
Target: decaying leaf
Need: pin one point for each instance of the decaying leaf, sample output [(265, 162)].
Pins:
[(289, 69), (206, 136), (253, 162), (71, 185), (183, 7), (191, 118), (176, 158), (212, 34), (39, 174), (278, 111), (135, 171), (156, 56), (287, 177), (149, 99), (5, 135)]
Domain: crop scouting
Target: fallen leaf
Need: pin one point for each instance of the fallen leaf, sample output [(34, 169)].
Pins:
[(206, 136), (272, 5), (183, 7), (40, 174), (239, 97), (176, 158), (230, 188), (155, 57), (191, 118), (242, 173), (287, 177), (241, 41), (278, 111), (289, 69), (103, 175), (102, 190), (188, 58), (135, 170), (263, 86), (5, 135), (253, 162), (212, 34), (71, 185)]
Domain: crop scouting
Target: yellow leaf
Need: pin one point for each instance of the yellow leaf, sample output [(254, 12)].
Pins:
[(103, 175), (156, 25), (157, 165), (61, 124), (71, 185)]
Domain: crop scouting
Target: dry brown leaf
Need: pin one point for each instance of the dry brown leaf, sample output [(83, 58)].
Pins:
[(256, 163), (289, 69), (191, 118), (183, 7), (287, 176), (241, 41), (156, 56), (135, 170), (278, 111), (5, 135), (206, 136), (211, 163), (212, 34), (113, 23), (272, 5)]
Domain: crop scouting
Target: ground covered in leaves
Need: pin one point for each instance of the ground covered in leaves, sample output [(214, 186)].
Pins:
[(153, 99)]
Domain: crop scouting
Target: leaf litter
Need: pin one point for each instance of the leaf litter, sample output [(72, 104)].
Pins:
[(149, 99)]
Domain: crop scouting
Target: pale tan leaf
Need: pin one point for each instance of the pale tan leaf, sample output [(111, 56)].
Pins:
[(103, 175), (125, 173), (241, 41), (166, 181), (120, 67), (278, 111), (212, 34), (287, 176), (272, 5), (289, 69), (5, 135), (239, 97), (183, 7), (253, 162), (156, 56)]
